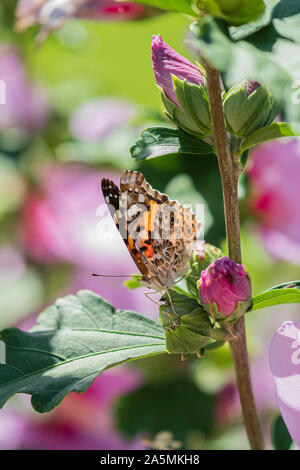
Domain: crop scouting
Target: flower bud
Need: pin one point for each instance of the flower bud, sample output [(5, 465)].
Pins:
[(182, 85), (202, 256), (190, 330), (225, 289), (247, 107)]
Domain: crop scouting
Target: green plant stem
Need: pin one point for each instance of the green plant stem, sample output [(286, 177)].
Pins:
[(229, 170)]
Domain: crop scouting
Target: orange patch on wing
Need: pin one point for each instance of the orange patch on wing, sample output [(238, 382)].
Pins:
[(132, 248), (147, 250)]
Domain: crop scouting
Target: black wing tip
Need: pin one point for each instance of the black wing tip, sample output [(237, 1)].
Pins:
[(108, 185)]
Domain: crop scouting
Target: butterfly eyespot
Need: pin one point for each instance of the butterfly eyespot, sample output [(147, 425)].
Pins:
[(136, 190), (130, 189)]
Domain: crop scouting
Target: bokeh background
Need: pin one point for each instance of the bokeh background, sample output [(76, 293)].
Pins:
[(75, 105)]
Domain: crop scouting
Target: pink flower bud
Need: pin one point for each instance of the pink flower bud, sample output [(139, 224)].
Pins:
[(225, 283), (251, 86), (167, 62)]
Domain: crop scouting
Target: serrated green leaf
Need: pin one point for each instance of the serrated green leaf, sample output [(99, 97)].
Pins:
[(276, 297), (159, 141), (281, 438), (274, 131), (73, 342), (179, 6)]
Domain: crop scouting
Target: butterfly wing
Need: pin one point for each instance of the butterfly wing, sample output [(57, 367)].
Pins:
[(158, 233), (117, 204)]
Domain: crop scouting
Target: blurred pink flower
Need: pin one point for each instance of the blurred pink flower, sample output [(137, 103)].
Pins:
[(67, 220), (274, 182), (26, 105), (111, 10), (285, 368), (82, 421), (97, 118), (60, 218), (53, 14)]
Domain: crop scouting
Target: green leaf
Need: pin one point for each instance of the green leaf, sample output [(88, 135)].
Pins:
[(279, 295), (241, 32), (287, 285), (73, 341), (274, 131), (286, 8), (159, 141), (189, 331), (134, 282), (281, 438), (235, 12), (264, 56), (240, 60), (179, 6)]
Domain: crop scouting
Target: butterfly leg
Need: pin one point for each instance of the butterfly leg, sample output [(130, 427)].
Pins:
[(148, 293), (176, 323)]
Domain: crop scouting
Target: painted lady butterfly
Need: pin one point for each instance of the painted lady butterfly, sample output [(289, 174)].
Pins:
[(158, 233)]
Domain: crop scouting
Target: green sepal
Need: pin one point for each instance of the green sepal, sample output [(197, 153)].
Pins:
[(179, 117), (189, 331), (243, 114), (193, 114), (193, 100), (242, 307), (189, 337), (199, 261)]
